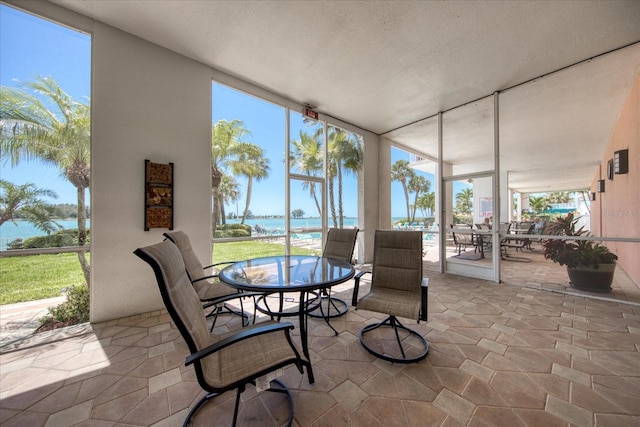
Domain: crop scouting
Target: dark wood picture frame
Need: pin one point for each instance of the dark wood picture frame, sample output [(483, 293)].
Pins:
[(158, 197)]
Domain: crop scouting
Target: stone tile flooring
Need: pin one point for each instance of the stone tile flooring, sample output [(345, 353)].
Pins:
[(499, 355)]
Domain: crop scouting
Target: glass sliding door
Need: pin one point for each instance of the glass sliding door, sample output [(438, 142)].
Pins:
[(324, 162), (469, 190), (306, 201)]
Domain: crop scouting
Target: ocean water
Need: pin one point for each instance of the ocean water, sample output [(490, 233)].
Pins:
[(23, 229)]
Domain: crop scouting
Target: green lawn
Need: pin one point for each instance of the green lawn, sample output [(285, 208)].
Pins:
[(236, 251), (27, 278)]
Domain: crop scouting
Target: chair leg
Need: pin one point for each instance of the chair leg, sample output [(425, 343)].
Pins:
[(197, 406), (330, 302), (395, 324), (281, 389)]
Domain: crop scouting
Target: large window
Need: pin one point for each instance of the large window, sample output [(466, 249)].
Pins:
[(251, 180), (45, 146)]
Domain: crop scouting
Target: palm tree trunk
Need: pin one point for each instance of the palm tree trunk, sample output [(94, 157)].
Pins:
[(312, 190), (340, 206), (246, 204), (406, 198), (222, 214), (82, 235), (332, 203)]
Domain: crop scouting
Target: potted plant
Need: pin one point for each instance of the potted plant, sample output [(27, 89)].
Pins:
[(590, 265)]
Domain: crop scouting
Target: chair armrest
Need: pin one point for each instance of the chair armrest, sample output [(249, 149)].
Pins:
[(240, 294), (424, 288), (219, 263), (240, 336), (356, 287)]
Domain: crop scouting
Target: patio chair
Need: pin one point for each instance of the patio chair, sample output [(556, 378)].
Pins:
[(212, 292), (510, 242), (399, 290), (340, 244), (220, 363)]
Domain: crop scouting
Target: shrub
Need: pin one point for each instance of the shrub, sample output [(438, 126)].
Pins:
[(233, 230), (55, 240), (74, 310)]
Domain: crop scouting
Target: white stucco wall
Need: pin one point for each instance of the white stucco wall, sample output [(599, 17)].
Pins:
[(147, 103)]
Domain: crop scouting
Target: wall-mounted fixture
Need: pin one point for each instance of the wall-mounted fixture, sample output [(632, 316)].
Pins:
[(593, 197), (610, 169), (601, 186), (621, 162)]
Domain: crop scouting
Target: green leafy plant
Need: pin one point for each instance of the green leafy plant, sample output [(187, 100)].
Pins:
[(74, 310), (574, 253)]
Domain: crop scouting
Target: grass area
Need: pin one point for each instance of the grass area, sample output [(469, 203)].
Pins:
[(33, 277), (235, 251)]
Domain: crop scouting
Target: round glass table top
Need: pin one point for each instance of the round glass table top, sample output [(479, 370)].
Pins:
[(287, 273)]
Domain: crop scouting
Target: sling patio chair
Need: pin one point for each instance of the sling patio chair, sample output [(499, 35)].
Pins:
[(340, 245), (212, 292), (251, 355), (399, 290)]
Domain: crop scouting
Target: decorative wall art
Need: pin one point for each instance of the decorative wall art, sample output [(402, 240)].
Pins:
[(158, 200)]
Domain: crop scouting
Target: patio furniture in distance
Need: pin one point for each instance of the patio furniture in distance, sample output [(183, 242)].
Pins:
[(340, 245), (514, 242), (463, 240), (221, 364), (212, 292), (397, 289)]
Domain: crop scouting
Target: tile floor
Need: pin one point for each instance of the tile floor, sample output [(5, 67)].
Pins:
[(499, 355)]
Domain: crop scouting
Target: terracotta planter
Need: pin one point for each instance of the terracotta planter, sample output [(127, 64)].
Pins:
[(592, 279)]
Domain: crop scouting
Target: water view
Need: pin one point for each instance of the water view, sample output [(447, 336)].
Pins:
[(10, 231)]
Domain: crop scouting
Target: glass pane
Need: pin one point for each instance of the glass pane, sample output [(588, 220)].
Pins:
[(413, 200), (345, 162), (306, 146), (469, 212), (306, 215), (247, 157)]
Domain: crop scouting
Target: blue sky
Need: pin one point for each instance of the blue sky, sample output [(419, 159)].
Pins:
[(32, 47)]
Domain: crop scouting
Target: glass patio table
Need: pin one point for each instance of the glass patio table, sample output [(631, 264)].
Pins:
[(282, 274)]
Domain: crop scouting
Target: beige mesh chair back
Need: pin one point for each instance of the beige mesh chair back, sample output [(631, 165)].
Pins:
[(220, 364), (204, 279), (399, 290), (340, 244)]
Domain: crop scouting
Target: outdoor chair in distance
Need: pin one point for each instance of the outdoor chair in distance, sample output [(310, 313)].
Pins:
[(399, 290), (340, 244), (221, 363), (212, 292)]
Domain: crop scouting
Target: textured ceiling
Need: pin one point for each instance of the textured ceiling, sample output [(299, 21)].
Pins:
[(383, 65)]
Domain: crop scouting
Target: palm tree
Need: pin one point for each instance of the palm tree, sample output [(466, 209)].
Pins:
[(345, 156), (539, 204), (229, 192), (427, 203), (59, 135), (464, 201), (418, 184), (252, 164), (558, 197), (306, 158), (26, 201), (225, 139), (400, 171)]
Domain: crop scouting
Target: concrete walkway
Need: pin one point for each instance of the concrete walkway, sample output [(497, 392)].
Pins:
[(18, 321)]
